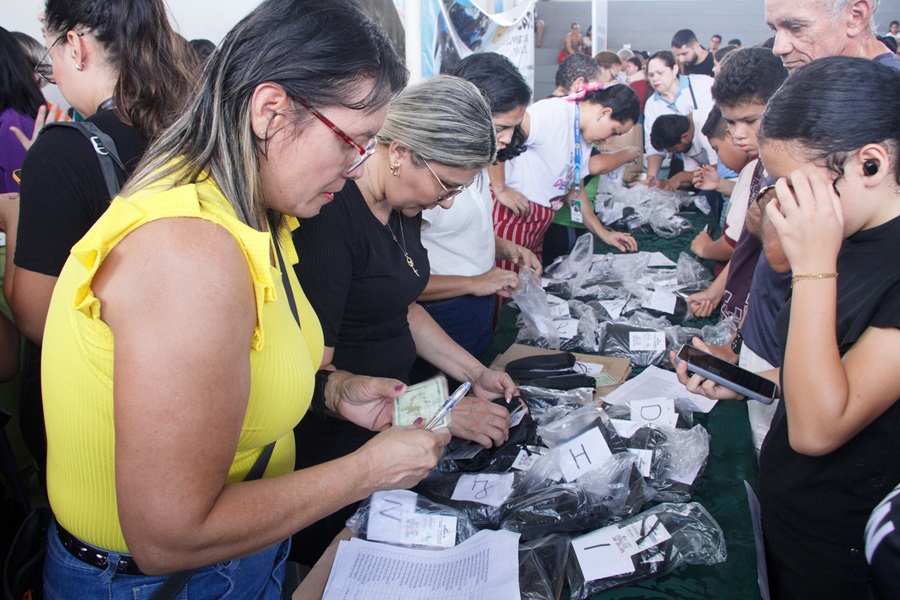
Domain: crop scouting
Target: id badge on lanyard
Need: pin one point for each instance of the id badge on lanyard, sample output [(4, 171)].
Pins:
[(574, 202)]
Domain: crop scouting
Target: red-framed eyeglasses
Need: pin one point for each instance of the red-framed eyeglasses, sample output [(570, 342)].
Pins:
[(364, 152)]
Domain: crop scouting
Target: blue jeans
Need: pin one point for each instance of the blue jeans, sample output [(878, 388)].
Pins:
[(259, 576), (466, 319)]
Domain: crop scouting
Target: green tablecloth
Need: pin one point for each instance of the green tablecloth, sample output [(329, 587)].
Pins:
[(720, 489)]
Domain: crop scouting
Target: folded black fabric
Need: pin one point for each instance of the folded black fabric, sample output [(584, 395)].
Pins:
[(541, 365)]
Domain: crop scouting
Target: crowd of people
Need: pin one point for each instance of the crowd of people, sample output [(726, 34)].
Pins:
[(221, 282)]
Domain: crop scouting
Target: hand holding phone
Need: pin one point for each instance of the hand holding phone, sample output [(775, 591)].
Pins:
[(727, 375)]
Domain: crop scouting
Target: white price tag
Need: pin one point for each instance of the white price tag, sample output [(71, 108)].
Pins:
[(656, 411), (559, 308), (567, 329), (588, 368), (647, 341), (613, 307), (585, 453), (420, 529), (644, 458), (642, 534), (524, 461), (516, 416), (661, 301), (490, 489)]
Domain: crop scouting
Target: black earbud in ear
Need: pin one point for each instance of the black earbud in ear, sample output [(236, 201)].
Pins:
[(870, 167)]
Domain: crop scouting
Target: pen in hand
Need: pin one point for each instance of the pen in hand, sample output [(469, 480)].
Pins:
[(448, 405)]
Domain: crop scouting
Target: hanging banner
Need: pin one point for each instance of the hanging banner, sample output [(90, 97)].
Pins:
[(454, 29)]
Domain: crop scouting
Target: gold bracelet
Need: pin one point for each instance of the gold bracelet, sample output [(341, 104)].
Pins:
[(796, 278)]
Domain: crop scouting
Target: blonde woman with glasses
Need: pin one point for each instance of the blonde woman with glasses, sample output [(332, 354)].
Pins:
[(180, 351), (362, 266)]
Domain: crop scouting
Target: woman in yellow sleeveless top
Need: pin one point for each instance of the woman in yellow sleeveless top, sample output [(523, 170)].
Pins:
[(179, 345)]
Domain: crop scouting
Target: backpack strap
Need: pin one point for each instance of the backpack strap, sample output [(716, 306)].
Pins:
[(106, 151)]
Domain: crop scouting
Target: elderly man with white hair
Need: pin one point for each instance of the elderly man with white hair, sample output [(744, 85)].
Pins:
[(809, 29)]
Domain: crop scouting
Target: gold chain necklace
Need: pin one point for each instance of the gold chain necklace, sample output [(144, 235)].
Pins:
[(409, 261)]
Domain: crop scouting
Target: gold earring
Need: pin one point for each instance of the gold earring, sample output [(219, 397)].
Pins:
[(395, 169)]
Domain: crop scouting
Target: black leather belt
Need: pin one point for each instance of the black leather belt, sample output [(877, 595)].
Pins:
[(94, 556)]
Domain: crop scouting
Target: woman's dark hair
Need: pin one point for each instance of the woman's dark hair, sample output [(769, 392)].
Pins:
[(18, 89), (620, 98), (321, 51), (497, 78), (847, 112), (666, 56), (748, 75), (203, 48), (636, 61), (890, 42), (154, 64)]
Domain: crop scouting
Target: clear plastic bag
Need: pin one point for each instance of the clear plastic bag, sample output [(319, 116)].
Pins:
[(721, 333), (678, 459), (542, 567), (661, 539), (404, 518), (577, 264), (440, 487), (532, 302), (690, 271), (613, 491), (577, 423), (666, 224), (546, 404), (586, 340), (622, 412), (619, 342), (643, 208), (471, 457)]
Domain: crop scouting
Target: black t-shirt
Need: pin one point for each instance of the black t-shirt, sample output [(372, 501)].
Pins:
[(814, 509), (883, 546), (357, 280), (63, 192), (704, 67)]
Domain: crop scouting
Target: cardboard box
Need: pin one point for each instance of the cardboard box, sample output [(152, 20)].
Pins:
[(618, 368)]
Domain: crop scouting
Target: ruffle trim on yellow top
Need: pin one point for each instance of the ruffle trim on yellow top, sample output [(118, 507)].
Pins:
[(201, 200)]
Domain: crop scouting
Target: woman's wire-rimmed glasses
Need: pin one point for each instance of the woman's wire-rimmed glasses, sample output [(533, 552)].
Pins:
[(448, 192), (44, 68), (364, 152)]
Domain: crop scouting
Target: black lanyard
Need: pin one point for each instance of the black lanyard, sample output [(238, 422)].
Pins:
[(284, 275)]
